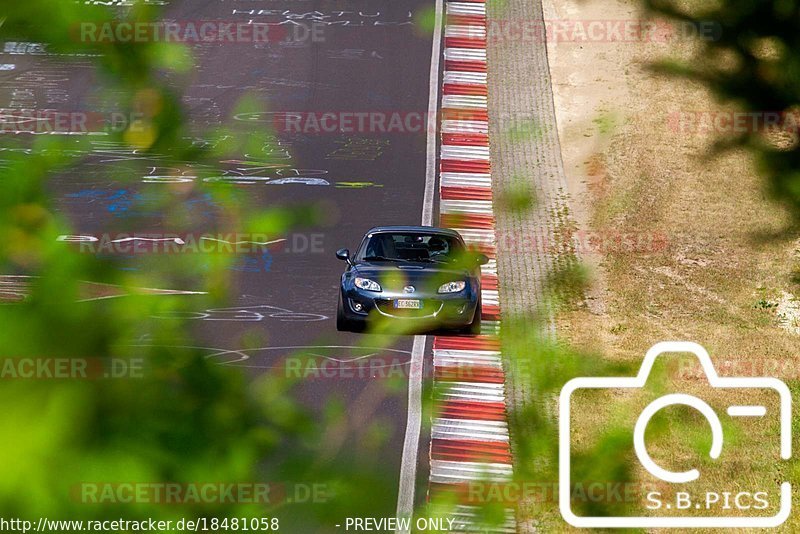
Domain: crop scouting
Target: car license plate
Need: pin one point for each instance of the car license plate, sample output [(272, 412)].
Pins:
[(408, 304)]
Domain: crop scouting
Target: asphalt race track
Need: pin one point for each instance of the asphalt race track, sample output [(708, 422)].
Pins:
[(367, 57)]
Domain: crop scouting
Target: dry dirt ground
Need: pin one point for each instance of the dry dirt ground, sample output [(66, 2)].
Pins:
[(680, 244)]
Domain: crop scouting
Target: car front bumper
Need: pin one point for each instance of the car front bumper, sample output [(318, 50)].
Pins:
[(453, 310)]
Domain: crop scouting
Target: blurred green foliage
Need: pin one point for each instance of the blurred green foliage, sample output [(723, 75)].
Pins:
[(751, 61), (186, 419)]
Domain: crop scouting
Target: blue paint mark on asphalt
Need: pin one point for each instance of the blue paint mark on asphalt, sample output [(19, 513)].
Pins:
[(125, 203), (262, 264)]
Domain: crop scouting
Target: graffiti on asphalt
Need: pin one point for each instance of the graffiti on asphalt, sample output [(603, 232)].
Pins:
[(255, 313), (358, 149), (280, 17)]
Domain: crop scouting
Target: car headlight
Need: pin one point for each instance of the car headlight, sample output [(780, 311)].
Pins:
[(366, 283), (452, 287)]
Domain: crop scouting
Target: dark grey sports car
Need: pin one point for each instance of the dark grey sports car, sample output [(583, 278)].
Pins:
[(416, 277)]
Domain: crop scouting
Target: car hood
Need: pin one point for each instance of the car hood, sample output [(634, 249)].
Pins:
[(410, 268)]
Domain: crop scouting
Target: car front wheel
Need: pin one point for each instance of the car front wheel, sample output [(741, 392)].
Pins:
[(474, 328), (343, 324)]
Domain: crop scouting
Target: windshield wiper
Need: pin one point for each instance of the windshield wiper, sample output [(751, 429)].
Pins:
[(437, 260), (382, 258)]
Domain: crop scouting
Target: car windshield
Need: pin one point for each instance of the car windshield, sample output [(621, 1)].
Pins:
[(410, 247)]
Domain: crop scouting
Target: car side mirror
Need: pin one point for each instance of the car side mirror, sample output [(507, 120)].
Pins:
[(482, 259), (343, 254)]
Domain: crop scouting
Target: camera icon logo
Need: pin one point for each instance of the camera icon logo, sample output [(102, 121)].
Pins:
[(661, 474)]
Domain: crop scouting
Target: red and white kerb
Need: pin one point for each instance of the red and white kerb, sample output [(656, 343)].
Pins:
[(469, 439)]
